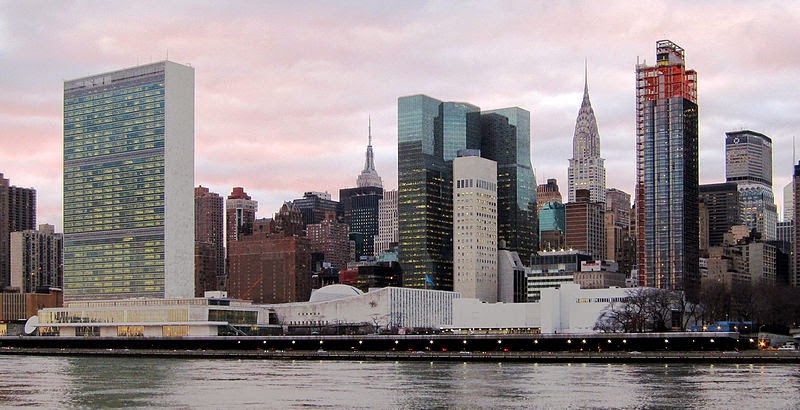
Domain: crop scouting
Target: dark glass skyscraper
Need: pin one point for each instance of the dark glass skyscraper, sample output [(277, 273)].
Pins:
[(17, 213), (506, 138), (425, 203), (667, 172), (430, 134)]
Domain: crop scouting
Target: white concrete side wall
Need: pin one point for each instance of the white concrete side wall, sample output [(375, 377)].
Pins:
[(370, 308), (105, 331), (202, 330), (472, 313), (179, 181), (153, 331), (17, 256)]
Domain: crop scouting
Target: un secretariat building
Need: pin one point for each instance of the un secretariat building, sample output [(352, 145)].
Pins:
[(128, 184)]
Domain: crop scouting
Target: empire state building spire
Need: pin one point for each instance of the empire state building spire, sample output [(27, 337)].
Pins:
[(586, 168), (369, 176)]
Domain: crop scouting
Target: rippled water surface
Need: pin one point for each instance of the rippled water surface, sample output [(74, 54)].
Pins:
[(59, 382)]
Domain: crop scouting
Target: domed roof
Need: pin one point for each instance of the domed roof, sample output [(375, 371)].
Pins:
[(333, 292)]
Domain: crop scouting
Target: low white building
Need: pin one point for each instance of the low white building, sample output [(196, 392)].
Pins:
[(568, 309)]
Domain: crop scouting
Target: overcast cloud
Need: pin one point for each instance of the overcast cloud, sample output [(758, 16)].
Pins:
[(284, 89)]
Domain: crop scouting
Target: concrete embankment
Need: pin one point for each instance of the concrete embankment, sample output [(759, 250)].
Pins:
[(732, 357)]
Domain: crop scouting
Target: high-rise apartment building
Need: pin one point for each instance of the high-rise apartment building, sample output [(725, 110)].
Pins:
[(667, 175), (387, 223), (547, 193), (506, 139), (586, 168), (475, 227), (240, 213), (128, 181), (37, 259), (619, 239), (209, 266), (748, 163), (17, 213), (332, 239)]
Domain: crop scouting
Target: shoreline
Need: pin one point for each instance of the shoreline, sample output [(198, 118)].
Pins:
[(711, 357)]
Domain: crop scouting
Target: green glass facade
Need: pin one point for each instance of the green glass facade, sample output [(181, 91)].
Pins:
[(114, 184)]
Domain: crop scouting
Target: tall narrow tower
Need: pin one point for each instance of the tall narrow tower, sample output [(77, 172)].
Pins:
[(748, 163), (586, 168), (128, 183), (360, 205), (667, 172)]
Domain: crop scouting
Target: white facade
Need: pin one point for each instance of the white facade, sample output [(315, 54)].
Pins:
[(384, 307), (387, 222), (475, 228), (509, 269), (788, 202), (178, 181), (568, 309)]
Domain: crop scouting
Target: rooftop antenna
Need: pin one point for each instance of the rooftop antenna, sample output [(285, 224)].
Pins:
[(369, 128), (794, 159)]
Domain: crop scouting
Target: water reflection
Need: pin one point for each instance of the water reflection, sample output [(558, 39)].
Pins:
[(58, 382)]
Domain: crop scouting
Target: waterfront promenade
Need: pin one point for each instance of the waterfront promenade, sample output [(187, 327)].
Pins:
[(729, 357)]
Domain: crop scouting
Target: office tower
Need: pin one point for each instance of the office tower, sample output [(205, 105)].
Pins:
[(547, 193), (387, 223), (316, 206), (430, 133), (506, 139), (240, 213), (425, 224), (722, 204), (748, 163), (552, 226), (369, 175), (475, 227), (332, 239), (128, 181), (17, 213), (619, 203), (37, 259), (209, 263), (788, 202), (667, 172), (794, 274), (586, 169), (585, 225)]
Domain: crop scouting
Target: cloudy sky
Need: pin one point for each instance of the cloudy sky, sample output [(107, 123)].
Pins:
[(284, 89)]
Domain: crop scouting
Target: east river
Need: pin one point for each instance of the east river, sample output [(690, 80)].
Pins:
[(80, 382)]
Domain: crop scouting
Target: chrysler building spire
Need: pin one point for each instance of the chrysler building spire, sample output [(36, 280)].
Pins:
[(369, 176), (586, 168)]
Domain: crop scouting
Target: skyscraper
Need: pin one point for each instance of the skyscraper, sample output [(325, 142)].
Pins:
[(585, 225), (425, 221), (586, 169), (430, 134), (17, 213), (240, 213), (209, 243), (548, 192), (794, 274), (722, 203), (37, 259), (506, 139), (360, 205), (387, 222), (667, 172), (748, 163), (475, 227), (128, 180)]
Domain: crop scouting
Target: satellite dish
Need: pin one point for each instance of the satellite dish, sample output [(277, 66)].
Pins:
[(30, 325)]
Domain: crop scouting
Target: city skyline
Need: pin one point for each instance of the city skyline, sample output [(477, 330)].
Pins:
[(307, 80)]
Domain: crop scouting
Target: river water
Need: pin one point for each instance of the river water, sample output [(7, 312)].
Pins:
[(71, 382)]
